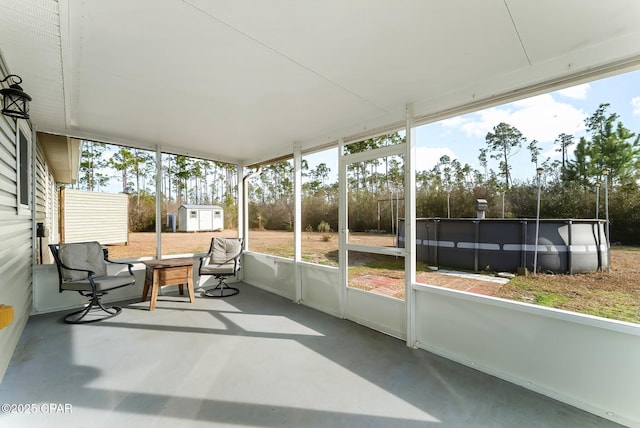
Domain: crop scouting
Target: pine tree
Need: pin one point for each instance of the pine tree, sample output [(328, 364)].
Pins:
[(503, 143)]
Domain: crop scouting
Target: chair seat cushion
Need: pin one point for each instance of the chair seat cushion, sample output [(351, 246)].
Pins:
[(221, 269), (102, 283)]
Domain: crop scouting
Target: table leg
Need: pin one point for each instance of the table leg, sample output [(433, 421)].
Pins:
[(192, 297), (154, 289), (181, 289), (145, 289)]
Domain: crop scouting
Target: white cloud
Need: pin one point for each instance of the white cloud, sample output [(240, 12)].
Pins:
[(576, 92), (428, 157), (454, 122), (539, 118), (635, 102)]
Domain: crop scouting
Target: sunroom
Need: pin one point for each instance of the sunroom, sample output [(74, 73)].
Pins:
[(249, 83)]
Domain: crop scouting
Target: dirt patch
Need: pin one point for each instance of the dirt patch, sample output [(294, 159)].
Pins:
[(614, 294), (144, 244), (315, 248)]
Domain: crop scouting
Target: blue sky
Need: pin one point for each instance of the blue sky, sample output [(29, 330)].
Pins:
[(540, 118)]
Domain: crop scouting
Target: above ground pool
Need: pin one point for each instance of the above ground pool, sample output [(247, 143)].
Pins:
[(564, 245)]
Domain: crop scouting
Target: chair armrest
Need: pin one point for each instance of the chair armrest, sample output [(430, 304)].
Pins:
[(129, 265), (204, 260), (89, 272), (236, 260), (90, 275)]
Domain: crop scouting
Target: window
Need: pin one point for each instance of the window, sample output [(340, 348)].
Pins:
[(320, 207), (552, 169), (184, 181), (375, 204), (192, 182), (23, 152), (271, 210)]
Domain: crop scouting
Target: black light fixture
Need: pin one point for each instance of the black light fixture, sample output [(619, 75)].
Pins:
[(15, 102)]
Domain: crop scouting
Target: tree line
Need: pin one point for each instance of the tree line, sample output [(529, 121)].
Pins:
[(608, 155), (184, 180), (572, 186)]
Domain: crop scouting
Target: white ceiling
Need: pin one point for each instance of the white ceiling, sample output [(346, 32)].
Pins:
[(245, 80)]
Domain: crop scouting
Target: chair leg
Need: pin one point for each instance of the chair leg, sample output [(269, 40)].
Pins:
[(224, 290), (78, 317)]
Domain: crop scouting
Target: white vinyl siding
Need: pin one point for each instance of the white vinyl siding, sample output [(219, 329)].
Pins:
[(94, 216), (15, 242), (45, 206)]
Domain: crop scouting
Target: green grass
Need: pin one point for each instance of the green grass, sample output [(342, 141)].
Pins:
[(550, 299), (282, 251), (625, 248), (585, 294), (386, 263), (609, 295)]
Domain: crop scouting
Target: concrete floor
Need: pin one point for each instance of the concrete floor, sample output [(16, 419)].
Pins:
[(254, 359)]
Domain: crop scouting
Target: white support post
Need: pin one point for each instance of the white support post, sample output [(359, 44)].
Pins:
[(243, 207), (297, 222), (343, 262), (240, 201), (159, 203), (410, 226), (242, 212)]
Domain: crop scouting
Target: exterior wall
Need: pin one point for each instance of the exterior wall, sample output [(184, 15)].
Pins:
[(320, 287), (378, 312), (585, 361), (271, 273), (94, 216), (15, 241), (46, 207), (321, 291)]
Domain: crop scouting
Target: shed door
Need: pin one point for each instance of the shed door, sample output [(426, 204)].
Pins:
[(205, 220)]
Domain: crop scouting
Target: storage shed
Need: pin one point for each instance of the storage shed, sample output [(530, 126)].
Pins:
[(199, 218)]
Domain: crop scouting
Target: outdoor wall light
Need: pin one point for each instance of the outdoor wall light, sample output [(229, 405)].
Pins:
[(15, 102)]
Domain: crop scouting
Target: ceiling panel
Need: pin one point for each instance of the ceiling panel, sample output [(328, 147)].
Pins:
[(246, 80), (417, 47), (573, 26), (30, 42)]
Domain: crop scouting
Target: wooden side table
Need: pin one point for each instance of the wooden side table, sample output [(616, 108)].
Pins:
[(167, 272)]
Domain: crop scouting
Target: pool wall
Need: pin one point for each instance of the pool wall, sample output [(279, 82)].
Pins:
[(564, 245)]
